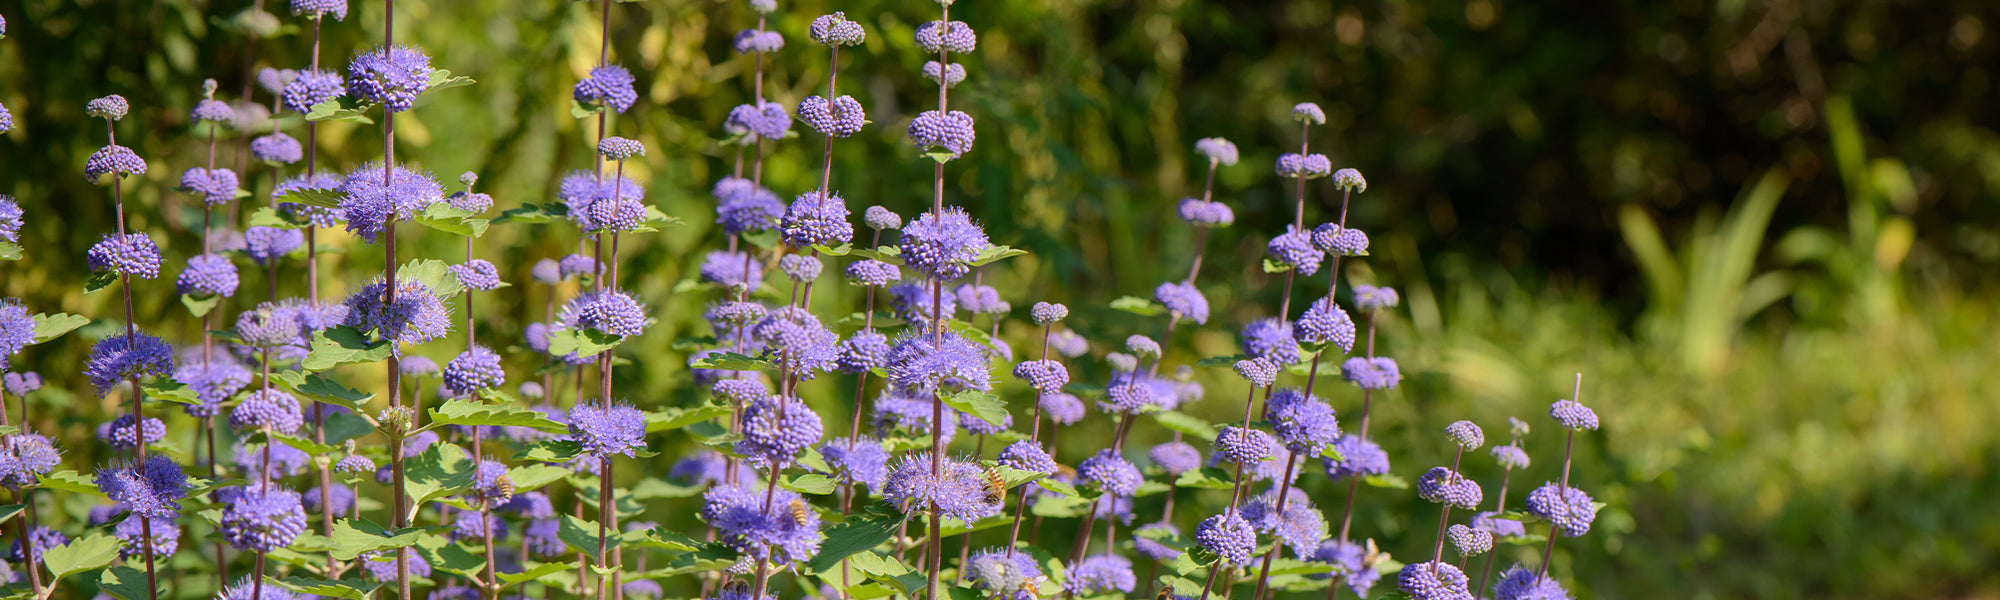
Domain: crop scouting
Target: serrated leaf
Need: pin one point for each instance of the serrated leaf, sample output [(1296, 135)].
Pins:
[(994, 254), (533, 573), (332, 110), (887, 254), (1206, 477), (10, 251), (341, 427), (330, 588), (553, 451), (441, 470), (582, 342), (451, 219), (319, 388), (170, 391), (984, 405), (731, 361), (578, 110), (268, 217), (1139, 306), (450, 557), (303, 445), (69, 481), (581, 535), (432, 273), (852, 537), (810, 483), (352, 539), (83, 554), (52, 326), (1387, 480), (123, 583), (528, 478), (529, 212), (99, 281), (1181, 422), (658, 219), (443, 80), (678, 417), (200, 305), (474, 413), (8, 512), (343, 345)]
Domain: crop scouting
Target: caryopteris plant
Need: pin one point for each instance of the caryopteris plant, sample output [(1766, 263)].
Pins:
[(355, 465)]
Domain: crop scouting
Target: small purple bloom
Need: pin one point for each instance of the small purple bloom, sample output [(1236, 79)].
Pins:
[(1433, 580), (938, 37), (277, 149), (312, 87), (951, 131), (392, 77), (1324, 324), (609, 85), (1295, 249), (1227, 535), (118, 358), (207, 275), (840, 117), (133, 254), (1569, 510)]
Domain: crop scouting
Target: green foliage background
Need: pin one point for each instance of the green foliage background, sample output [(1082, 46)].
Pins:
[(1796, 383)]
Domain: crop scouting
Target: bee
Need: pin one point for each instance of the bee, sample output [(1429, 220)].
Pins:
[(996, 488), (1166, 593), (798, 511)]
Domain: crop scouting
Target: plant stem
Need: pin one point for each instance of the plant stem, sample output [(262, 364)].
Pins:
[(1569, 447)]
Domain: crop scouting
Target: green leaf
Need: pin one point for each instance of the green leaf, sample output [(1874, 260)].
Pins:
[(840, 250), (332, 110), (351, 540), (578, 110), (887, 254), (582, 536), (554, 451), (529, 212), (441, 470), (1139, 306), (453, 220), (731, 361), (941, 156), (582, 342), (99, 281), (171, 391), (432, 273), (528, 478), (343, 345), (269, 217), (986, 406), (323, 198), (1331, 453), (657, 219), (473, 413), (330, 588), (1272, 266), (994, 254), (443, 80), (320, 388), (49, 327), (123, 583), (679, 417), (83, 554), (450, 557), (1387, 480), (1181, 422), (7, 512), (1059, 487), (537, 572), (1206, 477), (303, 445), (341, 427), (763, 238), (10, 251), (200, 305), (810, 483), (69, 481)]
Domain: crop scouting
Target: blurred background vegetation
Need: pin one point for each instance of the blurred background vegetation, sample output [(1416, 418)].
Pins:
[(1765, 231)]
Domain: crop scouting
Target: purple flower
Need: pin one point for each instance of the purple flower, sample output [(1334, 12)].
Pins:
[(841, 117), (1568, 510), (277, 149), (17, 330), (776, 429), (1151, 548), (611, 312), (980, 299), (312, 87), (882, 219), (390, 76), (1206, 214), (601, 433), (1005, 574), (1371, 298), (43, 539), (1304, 423), (943, 245), (1510, 456), (1068, 343), (213, 381), (369, 204), (207, 275), (577, 264), (1227, 535), (417, 316), (113, 159), (1444, 486), (1310, 166), (1350, 180), (417, 366), (1027, 456), (1183, 299), (1466, 434), (747, 208), (609, 85), (1111, 473), (245, 589), (285, 461), (620, 148), (1270, 339), (320, 8), (25, 457), (268, 408), (939, 37), (118, 358), (1308, 113), (1299, 524), (1295, 249), (1218, 150), (1046, 376), (1175, 457), (121, 435), (750, 41), (1101, 574), (10, 213), (865, 350), (1371, 373), (112, 107), (20, 384), (319, 216), (6, 118), (1063, 409), (166, 538), (912, 301), (1433, 580), (860, 460), (1351, 564), (1520, 583), (951, 131), (132, 254), (1331, 238), (1243, 446), (263, 518), (477, 274), (1469, 541), (1573, 415), (732, 269), (529, 505), (381, 567), (836, 30), (798, 342), (597, 203), (1358, 458), (340, 497), (873, 273), (1047, 313), (788, 532), (266, 244), (475, 369), (152, 490), (1325, 324), (354, 463), (813, 220), (923, 363), (768, 120), (959, 492)]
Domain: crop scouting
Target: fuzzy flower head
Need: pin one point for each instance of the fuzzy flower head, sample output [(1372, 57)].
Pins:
[(6, 118), (952, 131), (1227, 535), (1568, 510), (937, 37), (1218, 150), (369, 205), (1304, 423), (1466, 434), (1435, 580), (1378, 373), (880, 218), (1206, 213), (263, 518), (165, 540), (1469, 541), (312, 87), (1062, 409), (320, 8), (840, 117), (959, 492), (753, 41), (1048, 313), (1325, 325), (1510, 456), (118, 358), (789, 532), (1573, 415), (1184, 300), (798, 342), (1045, 376), (1243, 446), (816, 219), (266, 244), (601, 433), (1521, 583), (113, 159), (10, 215), (1012, 575), (1358, 458), (1100, 574), (1308, 113), (943, 245), (859, 460), (609, 86), (132, 254), (153, 489), (417, 316), (776, 429), (921, 363), (21, 384), (277, 149), (611, 312), (270, 409), (620, 148), (211, 111), (873, 273), (207, 276), (1444, 486), (25, 458), (836, 30), (746, 208), (1310, 166), (732, 269), (392, 77), (17, 330), (1027, 456), (112, 107), (948, 75), (1111, 473), (865, 350), (597, 203), (1350, 180), (475, 369), (1295, 249), (1175, 457), (477, 274), (215, 381), (1258, 371), (767, 120), (120, 433)]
